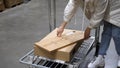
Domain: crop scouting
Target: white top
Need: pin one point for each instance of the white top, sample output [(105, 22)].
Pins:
[(96, 10)]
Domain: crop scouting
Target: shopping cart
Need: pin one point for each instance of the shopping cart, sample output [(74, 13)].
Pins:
[(41, 62)]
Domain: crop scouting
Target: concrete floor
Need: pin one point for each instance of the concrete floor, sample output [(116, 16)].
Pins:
[(20, 27), (23, 25)]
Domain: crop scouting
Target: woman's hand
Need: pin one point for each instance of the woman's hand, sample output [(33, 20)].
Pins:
[(61, 29), (87, 33)]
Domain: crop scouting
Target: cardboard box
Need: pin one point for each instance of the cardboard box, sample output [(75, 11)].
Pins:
[(11, 3), (2, 6), (51, 42), (65, 53)]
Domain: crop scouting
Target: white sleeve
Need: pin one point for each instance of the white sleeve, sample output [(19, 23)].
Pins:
[(99, 13), (70, 10)]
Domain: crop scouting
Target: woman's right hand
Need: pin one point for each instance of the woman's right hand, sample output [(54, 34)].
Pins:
[(61, 29)]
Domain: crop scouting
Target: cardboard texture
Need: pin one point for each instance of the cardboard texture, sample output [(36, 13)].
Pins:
[(11, 3), (2, 6), (51, 42), (64, 54)]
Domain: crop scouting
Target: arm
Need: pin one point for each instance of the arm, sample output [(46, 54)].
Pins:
[(97, 16), (70, 9), (69, 12)]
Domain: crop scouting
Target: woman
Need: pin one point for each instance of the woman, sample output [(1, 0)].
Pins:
[(96, 11)]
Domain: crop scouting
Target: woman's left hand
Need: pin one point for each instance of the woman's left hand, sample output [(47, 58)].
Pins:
[(87, 33)]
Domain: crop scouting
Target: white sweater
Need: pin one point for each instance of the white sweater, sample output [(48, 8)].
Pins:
[(96, 10)]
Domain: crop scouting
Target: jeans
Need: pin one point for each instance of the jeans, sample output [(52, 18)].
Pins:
[(109, 31)]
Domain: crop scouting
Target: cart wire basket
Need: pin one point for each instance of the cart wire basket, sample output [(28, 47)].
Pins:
[(41, 62)]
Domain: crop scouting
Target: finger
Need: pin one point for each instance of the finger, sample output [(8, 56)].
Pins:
[(58, 34), (86, 37)]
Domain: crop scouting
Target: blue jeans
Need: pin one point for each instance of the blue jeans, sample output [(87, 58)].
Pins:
[(109, 31)]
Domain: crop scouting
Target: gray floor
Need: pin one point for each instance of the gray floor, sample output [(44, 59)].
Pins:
[(23, 25)]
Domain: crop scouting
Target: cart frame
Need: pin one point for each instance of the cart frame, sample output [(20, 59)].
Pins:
[(34, 61)]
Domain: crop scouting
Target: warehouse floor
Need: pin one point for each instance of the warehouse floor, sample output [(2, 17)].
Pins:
[(23, 25)]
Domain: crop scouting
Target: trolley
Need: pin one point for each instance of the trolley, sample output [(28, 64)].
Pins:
[(41, 62)]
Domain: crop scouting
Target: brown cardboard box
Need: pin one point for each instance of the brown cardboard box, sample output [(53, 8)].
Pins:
[(51, 42), (11, 3), (2, 6), (65, 53)]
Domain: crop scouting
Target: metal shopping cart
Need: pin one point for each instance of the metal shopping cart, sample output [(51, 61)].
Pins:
[(41, 62)]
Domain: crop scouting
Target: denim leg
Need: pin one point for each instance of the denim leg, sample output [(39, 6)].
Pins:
[(105, 39), (116, 38)]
